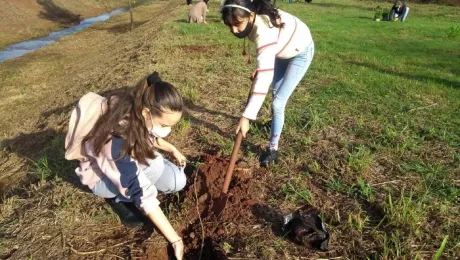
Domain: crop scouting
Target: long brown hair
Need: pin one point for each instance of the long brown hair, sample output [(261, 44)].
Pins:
[(123, 117)]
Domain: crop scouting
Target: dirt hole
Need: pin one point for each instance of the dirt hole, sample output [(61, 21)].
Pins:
[(210, 251), (205, 186), (209, 236)]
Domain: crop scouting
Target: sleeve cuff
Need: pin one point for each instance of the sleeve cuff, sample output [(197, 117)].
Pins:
[(250, 115)]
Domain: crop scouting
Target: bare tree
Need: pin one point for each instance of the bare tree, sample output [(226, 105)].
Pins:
[(131, 14)]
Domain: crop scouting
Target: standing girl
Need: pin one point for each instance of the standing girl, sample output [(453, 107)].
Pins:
[(116, 141), (284, 52)]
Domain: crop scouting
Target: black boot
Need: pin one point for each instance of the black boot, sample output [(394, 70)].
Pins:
[(269, 157), (128, 213)]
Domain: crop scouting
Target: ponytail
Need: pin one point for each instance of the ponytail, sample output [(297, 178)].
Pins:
[(123, 117), (153, 78), (139, 95)]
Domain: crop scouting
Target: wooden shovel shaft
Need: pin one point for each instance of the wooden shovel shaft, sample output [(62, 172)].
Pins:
[(231, 166)]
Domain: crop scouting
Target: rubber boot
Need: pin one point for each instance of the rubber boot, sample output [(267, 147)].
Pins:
[(269, 157), (128, 213)]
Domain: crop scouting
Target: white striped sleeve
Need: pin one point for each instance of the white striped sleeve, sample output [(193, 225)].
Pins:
[(265, 69)]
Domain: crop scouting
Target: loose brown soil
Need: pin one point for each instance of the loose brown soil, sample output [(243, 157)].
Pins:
[(206, 233), (219, 237), (206, 187)]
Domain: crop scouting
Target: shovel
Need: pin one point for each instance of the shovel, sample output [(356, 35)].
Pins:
[(221, 202)]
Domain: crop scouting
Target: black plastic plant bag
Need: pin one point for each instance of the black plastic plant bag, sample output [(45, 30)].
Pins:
[(306, 229)]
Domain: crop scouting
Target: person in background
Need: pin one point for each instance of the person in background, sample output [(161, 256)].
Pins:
[(198, 12), (117, 139), (285, 50), (399, 11)]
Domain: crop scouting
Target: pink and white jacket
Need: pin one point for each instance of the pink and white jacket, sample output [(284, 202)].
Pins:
[(125, 172), (272, 42)]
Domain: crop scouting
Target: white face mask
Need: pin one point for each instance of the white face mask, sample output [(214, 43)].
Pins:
[(161, 132), (157, 131)]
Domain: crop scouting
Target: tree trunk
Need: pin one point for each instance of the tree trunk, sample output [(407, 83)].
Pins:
[(131, 15)]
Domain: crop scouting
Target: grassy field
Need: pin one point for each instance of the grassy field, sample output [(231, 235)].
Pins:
[(372, 134), (375, 124)]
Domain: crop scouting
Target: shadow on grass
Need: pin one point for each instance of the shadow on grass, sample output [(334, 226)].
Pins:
[(45, 152), (55, 13), (181, 21), (419, 77), (271, 216), (198, 121), (214, 20)]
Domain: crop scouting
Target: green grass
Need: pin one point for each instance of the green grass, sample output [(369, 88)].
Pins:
[(435, 178), (297, 192), (394, 89), (183, 126), (390, 92), (441, 249), (191, 93), (360, 158), (52, 165), (407, 213), (358, 221)]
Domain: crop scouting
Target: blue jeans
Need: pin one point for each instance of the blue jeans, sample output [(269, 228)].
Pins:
[(288, 74), (403, 18)]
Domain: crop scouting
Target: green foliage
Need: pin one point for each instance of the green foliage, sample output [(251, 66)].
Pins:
[(453, 32), (378, 15)]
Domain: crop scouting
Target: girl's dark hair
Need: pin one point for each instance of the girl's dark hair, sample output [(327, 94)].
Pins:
[(261, 7), (123, 117)]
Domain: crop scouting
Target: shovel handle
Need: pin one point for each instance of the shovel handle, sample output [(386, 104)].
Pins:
[(231, 166)]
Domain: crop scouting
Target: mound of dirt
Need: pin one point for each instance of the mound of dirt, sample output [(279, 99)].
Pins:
[(206, 184), (204, 231)]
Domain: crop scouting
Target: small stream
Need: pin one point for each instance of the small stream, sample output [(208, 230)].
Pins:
[(21, 48)]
